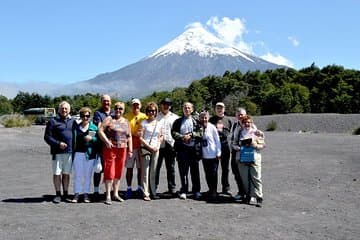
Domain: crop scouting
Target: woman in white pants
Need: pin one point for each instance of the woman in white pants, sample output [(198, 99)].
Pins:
[(85, 151)]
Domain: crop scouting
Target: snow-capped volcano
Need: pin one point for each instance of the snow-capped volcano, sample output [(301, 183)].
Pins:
[(200, 41), (194, 54)]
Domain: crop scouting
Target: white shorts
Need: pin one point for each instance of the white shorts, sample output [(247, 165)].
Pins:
[(62, 163), (130, 161)]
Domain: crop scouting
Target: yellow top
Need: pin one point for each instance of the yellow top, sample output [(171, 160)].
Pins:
[(135, 124)]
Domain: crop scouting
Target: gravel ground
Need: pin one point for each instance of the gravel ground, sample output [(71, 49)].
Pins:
[(327, 123), (311, 191)]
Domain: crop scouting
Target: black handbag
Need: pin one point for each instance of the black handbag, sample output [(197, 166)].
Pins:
[(198, 150)]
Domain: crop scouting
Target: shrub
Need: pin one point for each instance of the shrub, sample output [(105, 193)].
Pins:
[(356, 131), (271, 126), (15, 120)]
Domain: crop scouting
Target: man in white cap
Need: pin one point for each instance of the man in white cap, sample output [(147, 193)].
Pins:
[(223, 125), (135, 117)]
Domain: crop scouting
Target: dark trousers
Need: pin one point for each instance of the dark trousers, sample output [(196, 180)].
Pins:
[(186, 158), (211, 173), (168, 154), (236, 172), (225, 161)]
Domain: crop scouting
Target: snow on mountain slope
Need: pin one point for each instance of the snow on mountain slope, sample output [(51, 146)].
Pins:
[(199, 40)]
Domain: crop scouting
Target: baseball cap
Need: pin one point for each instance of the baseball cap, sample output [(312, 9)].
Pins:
[(166, 101), (135, 100), (220, 104)]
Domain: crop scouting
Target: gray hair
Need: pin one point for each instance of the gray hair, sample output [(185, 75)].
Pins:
[(64, 103), (240, 109), (204, 113)]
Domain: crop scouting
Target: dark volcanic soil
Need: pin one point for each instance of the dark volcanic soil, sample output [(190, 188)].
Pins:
[(311, 191)]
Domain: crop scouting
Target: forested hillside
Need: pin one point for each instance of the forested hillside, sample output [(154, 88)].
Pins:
[(331, 89)]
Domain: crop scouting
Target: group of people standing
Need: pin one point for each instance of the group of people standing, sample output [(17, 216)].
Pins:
[(125, 140)]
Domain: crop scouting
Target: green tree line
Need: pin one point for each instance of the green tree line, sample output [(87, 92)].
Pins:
[(332, 89)]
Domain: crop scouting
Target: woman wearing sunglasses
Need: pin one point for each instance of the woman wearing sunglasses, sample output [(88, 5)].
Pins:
[(84, 148), (116, 135), (150, 138)]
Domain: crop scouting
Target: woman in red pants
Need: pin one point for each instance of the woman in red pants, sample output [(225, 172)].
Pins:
[(116, 135)]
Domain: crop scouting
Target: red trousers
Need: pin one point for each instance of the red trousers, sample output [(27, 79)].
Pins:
[(114, 162)]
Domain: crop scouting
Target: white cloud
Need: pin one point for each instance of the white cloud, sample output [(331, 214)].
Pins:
[(278, 59), (293, 41), (231, 31)]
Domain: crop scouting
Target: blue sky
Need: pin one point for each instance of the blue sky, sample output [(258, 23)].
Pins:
[(69, 41)]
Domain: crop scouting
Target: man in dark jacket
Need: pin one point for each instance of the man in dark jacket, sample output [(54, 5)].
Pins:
[(186, 131), (58, 134), (223, 125)]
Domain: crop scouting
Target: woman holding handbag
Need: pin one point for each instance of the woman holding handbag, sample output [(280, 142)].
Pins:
[(150, 138)]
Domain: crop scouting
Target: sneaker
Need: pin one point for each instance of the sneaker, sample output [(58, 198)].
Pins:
[(197, 195), (76, 198), (57, 199), (128, 193), (147, 198), (66, 198), (86, 198), (227, 192), (238, 197), (183, 196), (252, 201)]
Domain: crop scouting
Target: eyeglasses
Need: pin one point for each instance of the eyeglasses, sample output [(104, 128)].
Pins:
[(119, 108), (151, 111), (85, 116)]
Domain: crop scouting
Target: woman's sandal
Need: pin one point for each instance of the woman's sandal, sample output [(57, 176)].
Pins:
[(147, 198), (118, 198), (108, 201)]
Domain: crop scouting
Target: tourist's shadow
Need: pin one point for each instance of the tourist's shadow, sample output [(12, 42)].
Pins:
[(219, 199), (44, 198)]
